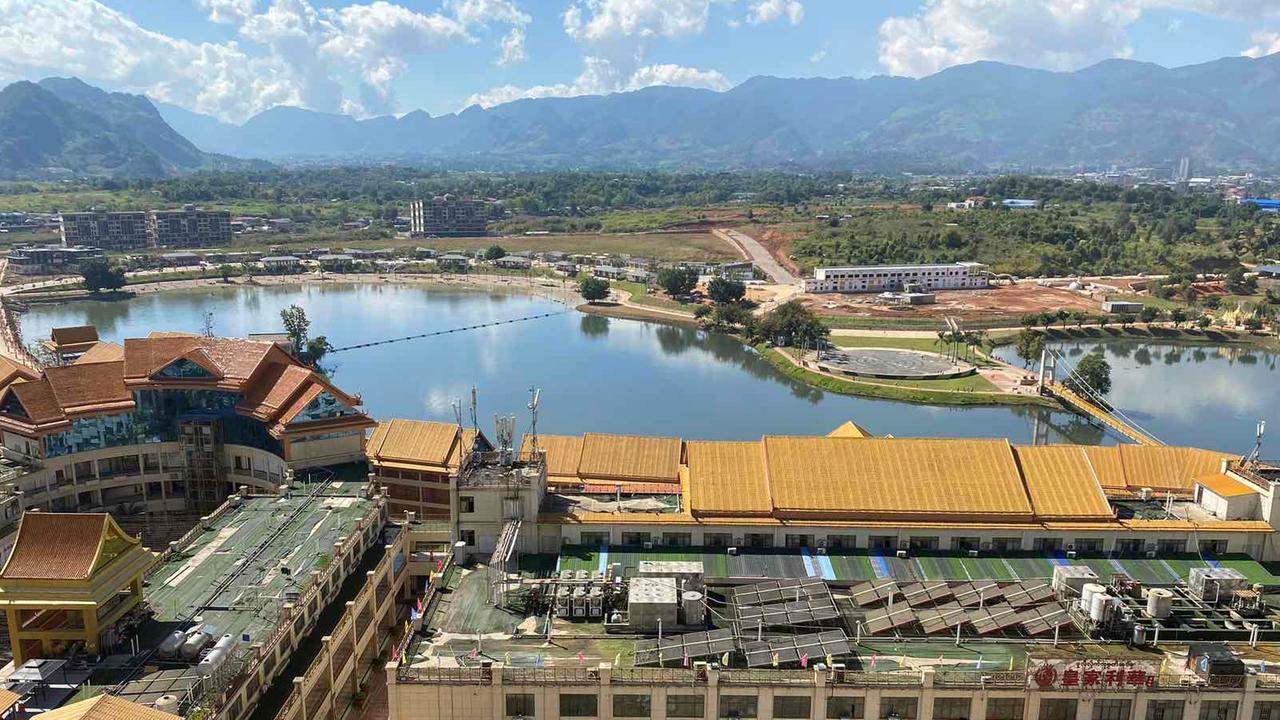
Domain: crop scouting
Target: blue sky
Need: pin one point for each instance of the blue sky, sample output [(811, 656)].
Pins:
[(232, 58)]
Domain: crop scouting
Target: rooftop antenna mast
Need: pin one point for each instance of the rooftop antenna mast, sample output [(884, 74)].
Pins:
[(506, 437), (457, 411), (208, 323), (475, 421), (1252, 458), (535, 396)]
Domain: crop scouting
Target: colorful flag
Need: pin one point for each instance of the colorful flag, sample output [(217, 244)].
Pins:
[(1010, 662), (804, 660), (775, 659), (581, 658), (685, 659), (617, 660), (537, 661), (873, 661), (506, 658), (475, 652), (724, 660)]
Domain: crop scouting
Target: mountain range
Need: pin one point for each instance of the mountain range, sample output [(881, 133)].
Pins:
[(62, 127), (983, 116)]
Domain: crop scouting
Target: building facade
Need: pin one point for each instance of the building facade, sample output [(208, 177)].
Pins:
[(889, 278), (189, 227), (110, 231), (52, 260), (448, 216)]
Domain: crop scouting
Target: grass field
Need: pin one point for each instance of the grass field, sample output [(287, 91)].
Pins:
[(859, 565), (640, 297)]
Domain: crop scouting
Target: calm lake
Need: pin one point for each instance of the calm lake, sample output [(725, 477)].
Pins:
[(627, 376)]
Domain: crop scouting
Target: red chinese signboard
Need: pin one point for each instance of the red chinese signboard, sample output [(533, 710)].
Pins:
[(1092, 674)]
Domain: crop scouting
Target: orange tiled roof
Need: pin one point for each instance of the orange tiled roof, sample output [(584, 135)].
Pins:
[(1061, 483), (727, 478), (56, 546), (563, 452), (89, 387), (414, 441), (1225, 485), (108, 707), (66, 338), (639, 458), (273, 388), (11, 370), (233, 359), (38, 400), (102, 351)]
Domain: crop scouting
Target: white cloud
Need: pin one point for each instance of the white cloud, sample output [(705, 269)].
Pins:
[(487, 12), (512, 47), (1264, 43), (600, 77), (228, 11), (1052, 34), (766, 11), (668, 74), (821, 53), (604, 21)]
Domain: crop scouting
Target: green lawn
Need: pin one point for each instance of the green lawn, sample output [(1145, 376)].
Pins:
[(639, 296)]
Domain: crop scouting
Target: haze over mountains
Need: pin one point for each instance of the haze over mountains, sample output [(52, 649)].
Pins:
[(985, 116)]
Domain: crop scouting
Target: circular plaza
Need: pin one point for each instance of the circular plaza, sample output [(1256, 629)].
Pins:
[(891, 363)]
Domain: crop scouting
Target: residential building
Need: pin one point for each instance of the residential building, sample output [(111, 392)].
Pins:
[(336, 262), (281, 263), (609, 272), (453, 262), (52, 259), (1122, 307), (110, 231), (891, 278), (189, 227), (1020, 204), (514, 262), (448, 216)]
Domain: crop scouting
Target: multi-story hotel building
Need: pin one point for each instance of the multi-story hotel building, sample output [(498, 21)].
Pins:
[(110, 231), (189, 227), (894, 278), (448, 216)]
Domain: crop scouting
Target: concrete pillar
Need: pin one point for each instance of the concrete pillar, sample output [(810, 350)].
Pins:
[(713, 693), (302, 698), (393, 713)]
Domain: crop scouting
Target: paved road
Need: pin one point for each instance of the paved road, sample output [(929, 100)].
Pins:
[(759, 255)]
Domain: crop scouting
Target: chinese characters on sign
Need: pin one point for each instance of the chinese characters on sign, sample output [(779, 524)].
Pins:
[(1092, 674)]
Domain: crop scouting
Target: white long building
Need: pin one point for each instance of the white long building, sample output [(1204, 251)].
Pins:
[(883, 278)]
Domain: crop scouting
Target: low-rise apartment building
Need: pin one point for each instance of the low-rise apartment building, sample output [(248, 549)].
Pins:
[(890, 278)]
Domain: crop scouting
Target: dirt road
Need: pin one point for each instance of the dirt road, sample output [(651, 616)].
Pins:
[(759, 255)]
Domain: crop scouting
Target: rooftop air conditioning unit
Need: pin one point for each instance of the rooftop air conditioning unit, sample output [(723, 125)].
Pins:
[(1071, 554), (1151, 554), (731, 551), (902, 554), (973, 553), (648, 544)]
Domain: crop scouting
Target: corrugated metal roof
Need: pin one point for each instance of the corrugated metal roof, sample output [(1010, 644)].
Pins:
[(1225, 486), (727, 478), (630, 457), (1061, 483), (850, 429), (905, 478), (563, 453), (415, 441), (108, 707), (1107, 466)]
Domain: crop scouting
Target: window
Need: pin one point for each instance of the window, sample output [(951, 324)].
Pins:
[(798, 541), (1006, 544), (635, 538), (1005, 708), (468, 537), (1218, 710), (1262, 710), (738, 706), (686, 706), (717, 539), (631, 706), (1169, 547), (1213, 547), (1089, 545), (595, 538), (845, 708), (520, 704), (882, 542), (1046, 544), (899, 707), (1164, 710), (578, 705), (759, 540), (842, 542), (466, 504), (84, 470), (1058, 709), (1112, 709), (964, 543), (150, 463), (951, 708), (793, 707), (924, 543), (677, 539), (1129, 547)]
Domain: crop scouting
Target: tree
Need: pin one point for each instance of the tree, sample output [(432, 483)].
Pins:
[(227, 272), (593, 289), (1029, 320), (678, 282), (791, 323), (1178, 316), (723, 291), (1092, 376), (1149, 314), (702, 312), (1203, 322), (494, 252), (98, 275), (297, 326), (1062, 316), (730, 315), (1240, 284), (316, 349), (1029, 345), (1125, 319), (1252, 324)]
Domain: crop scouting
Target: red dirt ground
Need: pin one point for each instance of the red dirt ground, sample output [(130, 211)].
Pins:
[(1009, 302)]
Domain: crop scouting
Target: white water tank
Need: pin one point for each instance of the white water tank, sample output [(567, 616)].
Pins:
[(171, 644), (1159, 602), (194, 644), (1087, 592), (1098, 603), (218, 655), (167, 703)]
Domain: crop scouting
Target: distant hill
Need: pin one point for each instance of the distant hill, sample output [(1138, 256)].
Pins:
[(63, 127), (983, 116)]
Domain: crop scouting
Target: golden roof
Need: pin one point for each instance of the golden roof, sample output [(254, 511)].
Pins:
[(107, 707), (1061, 483), (630, 457), (563, 453), (727, 478), (1107, 467), (64, 546), (901, 478), (1225, 485), (850, 429), (1159, 467), (414, 441)]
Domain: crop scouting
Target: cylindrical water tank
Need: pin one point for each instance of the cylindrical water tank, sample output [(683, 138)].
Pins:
[(1159, 602), (194, 644), (1140, 635), (695, 610), (167, 703), (1086, 595), (218, 655), (171, 644), (1098, 603)]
